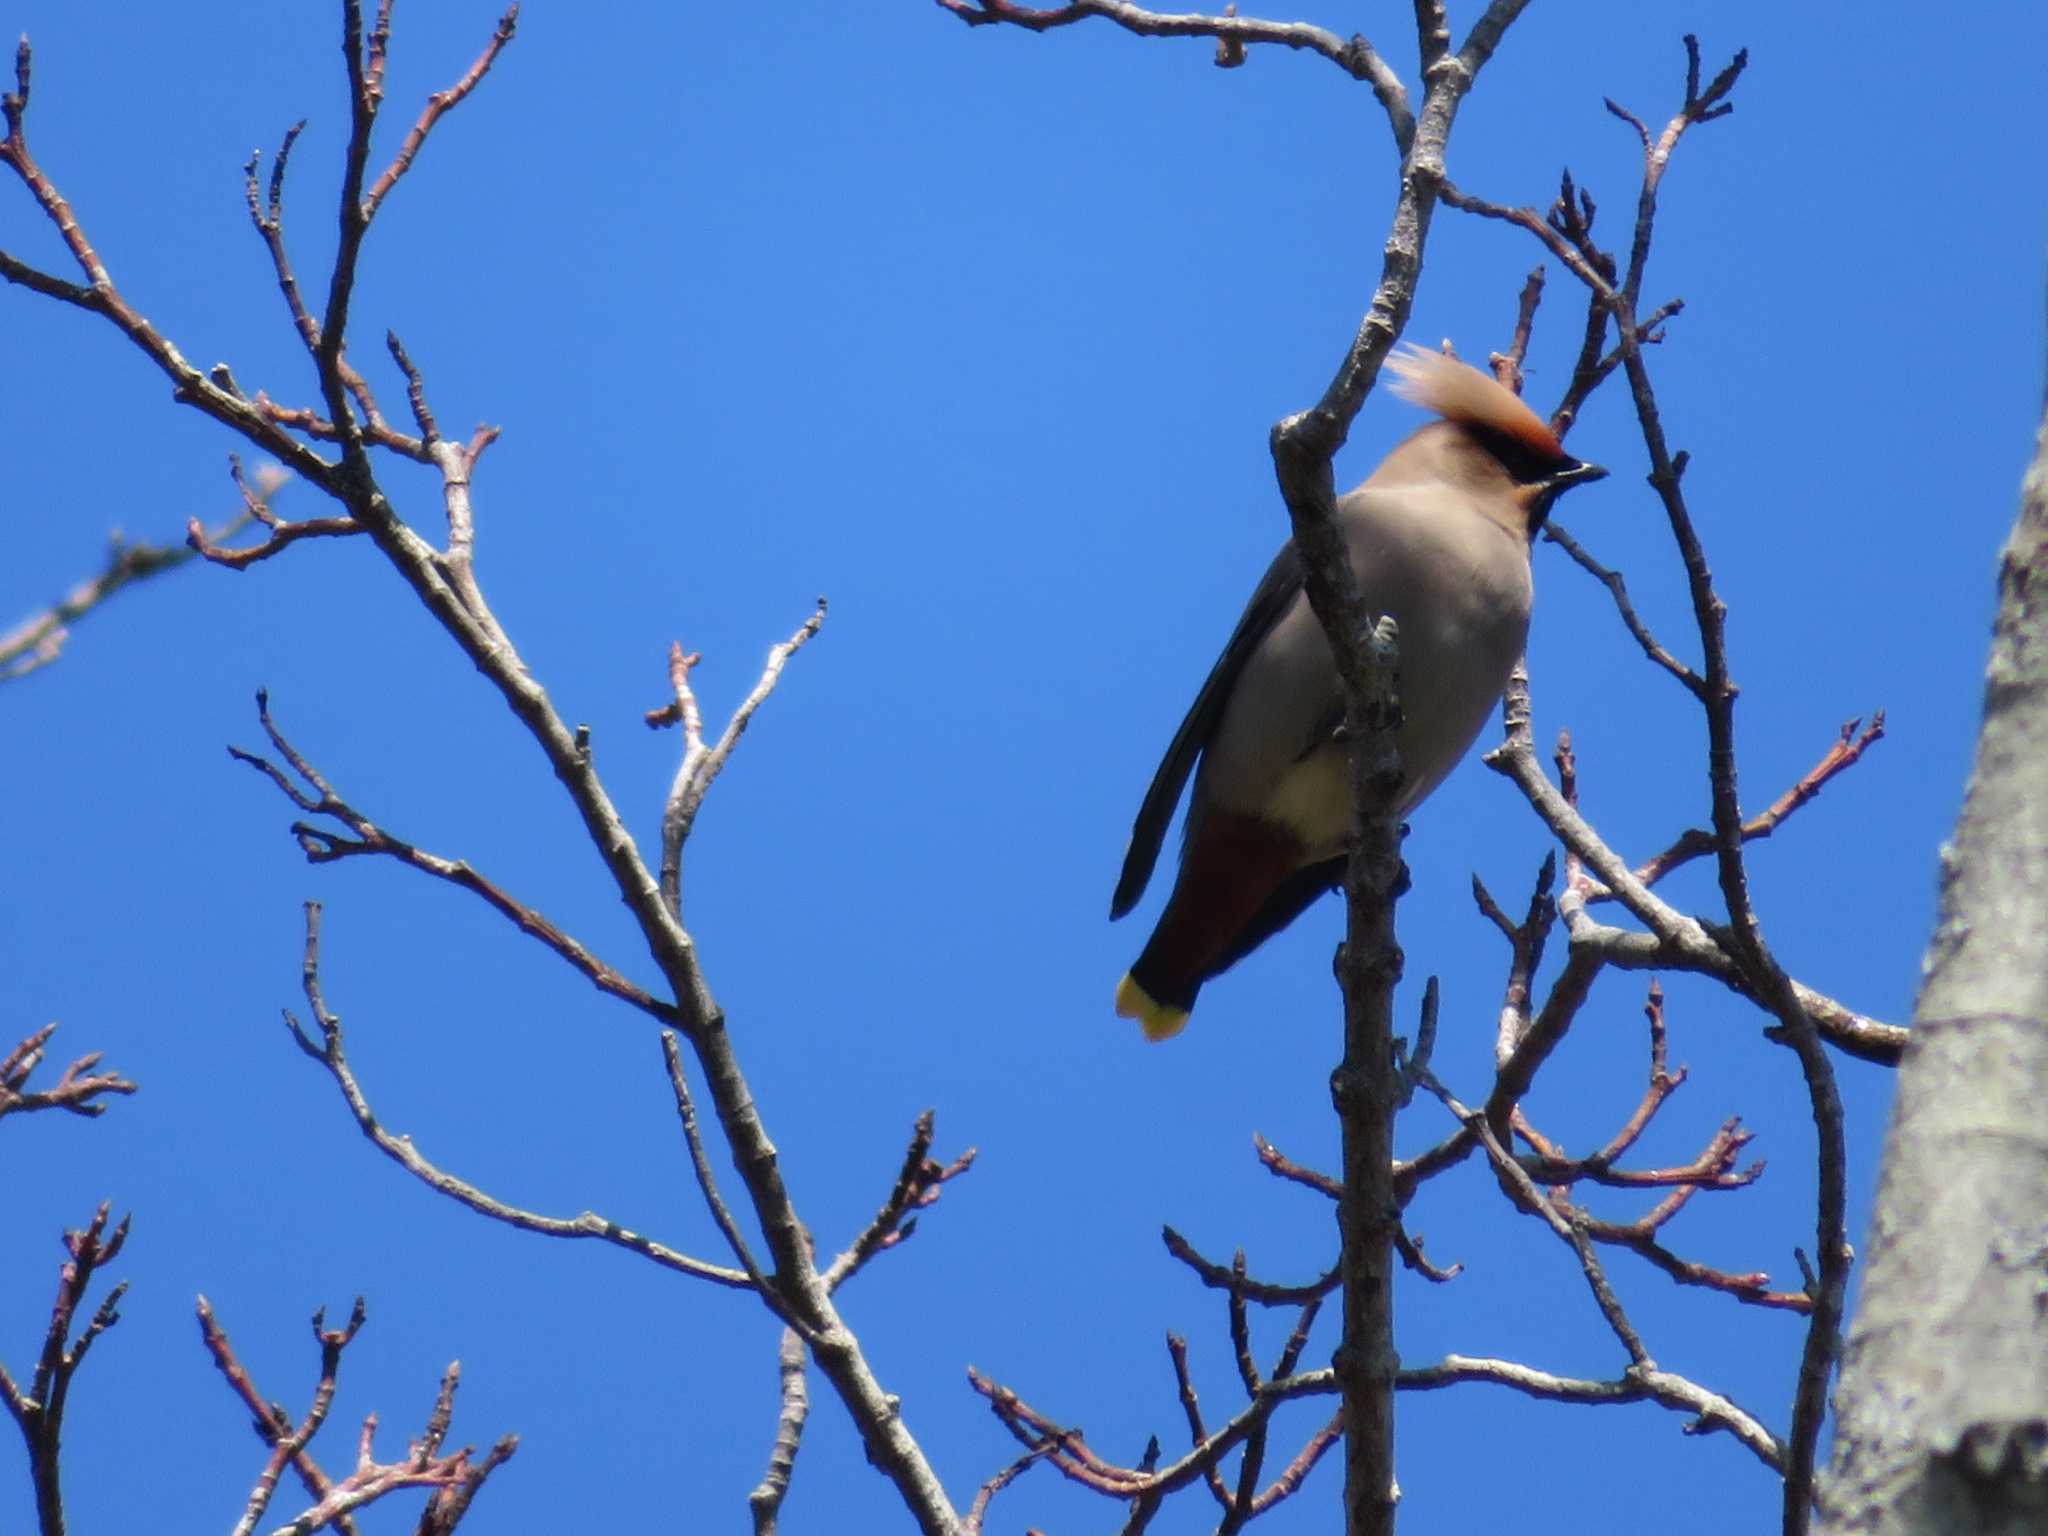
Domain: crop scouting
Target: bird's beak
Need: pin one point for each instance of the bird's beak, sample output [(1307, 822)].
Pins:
[(1538, 496), (1574, 473)]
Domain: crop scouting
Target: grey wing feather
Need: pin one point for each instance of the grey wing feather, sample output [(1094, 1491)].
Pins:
[(1276, 592)]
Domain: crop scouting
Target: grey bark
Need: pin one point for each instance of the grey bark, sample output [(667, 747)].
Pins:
[(1942, 1413)]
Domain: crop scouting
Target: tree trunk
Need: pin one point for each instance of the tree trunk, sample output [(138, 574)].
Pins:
[(1942, 1414)]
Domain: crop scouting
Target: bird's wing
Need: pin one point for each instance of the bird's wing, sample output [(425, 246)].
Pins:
[(1275, 595)]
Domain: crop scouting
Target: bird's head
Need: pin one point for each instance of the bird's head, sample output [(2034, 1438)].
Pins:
[(1484, 413)]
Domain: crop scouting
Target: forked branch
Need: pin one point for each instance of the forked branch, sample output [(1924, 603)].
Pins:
[(38, 1408), (453, 1480)]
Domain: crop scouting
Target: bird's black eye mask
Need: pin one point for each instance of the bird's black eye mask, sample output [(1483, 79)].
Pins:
[(1525, 465)]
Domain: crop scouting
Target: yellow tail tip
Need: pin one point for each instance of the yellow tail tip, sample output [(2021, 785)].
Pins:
[(1158, 1020)]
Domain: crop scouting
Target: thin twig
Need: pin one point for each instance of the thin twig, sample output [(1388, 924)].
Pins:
[(100, 296), (918, 1184), (39, 639), (77, 1089), (1355, 57), (977, 1512), (1712, 1410), (1220, 1277), (452, 1481), (269, 1420), (1507, 366), (702, 764), (1075, 1460), (439, 105), (1695, 842), (367, 839), (1570, 1228), (1191, 1407), (1618, 587), (707, 1185), (328, 1051), (38, 1409)]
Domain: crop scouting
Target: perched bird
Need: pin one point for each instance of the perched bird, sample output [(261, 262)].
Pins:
[(1439, 538)]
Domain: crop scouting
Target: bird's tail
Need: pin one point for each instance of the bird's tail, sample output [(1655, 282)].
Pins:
[(1229, 870), (1160, 1021)]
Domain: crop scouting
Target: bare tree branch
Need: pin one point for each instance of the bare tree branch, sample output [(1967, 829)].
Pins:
[(1637, 1385), (1742, 941), (702, 764), (1839, 758), (38, 1409), (918, 1184), (77, 1090), (452, 1480), (323, 846), (438, 105), (400, 1149), (765, 1502), (1232, 32)]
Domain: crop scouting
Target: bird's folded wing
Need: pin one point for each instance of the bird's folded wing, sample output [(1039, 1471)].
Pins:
[(1276, 593)]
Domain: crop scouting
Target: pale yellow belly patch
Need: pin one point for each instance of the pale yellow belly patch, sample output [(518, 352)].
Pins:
[(1313, 801)]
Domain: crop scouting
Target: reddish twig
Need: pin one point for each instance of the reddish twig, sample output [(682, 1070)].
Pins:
[(1745, 940), (1676, 942), (270, 1422), (1753, 1289), (38, 1410), (1507, 366), (98, 295), (1572, 1232), (1408, 1247), (1712, 1169), (77, 1089), (977, 1512), (1297, 1470), (919, 1183), (1190, 1404), (1220, 1277), (256, 508), (415, 390), (1742, 940), (1283, 1167), (1071, 1454), (1849, 747), (438, 106), (1568, 992), (268, 218), (452, 1480)]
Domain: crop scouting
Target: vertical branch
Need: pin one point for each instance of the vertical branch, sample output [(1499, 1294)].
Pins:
[(1369, 964), (1718, 694)]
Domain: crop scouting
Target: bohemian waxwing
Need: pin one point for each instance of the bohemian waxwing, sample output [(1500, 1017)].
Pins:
[(1439, 538)]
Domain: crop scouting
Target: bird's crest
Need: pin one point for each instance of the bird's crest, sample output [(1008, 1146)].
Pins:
[(1459, 392)]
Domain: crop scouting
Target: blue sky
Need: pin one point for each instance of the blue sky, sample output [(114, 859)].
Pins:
[(980, 334)]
